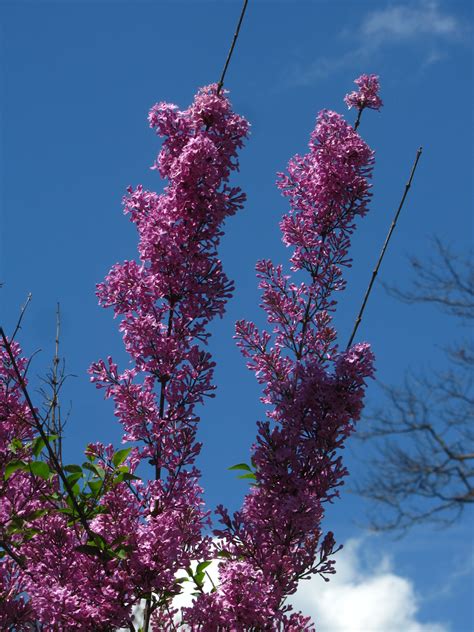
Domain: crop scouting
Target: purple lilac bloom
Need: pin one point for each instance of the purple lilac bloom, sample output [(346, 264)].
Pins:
[(313, 392), (367, 96)]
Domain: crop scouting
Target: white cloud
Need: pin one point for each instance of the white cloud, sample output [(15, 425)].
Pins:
[(363, 596), (416, 23), (410, 22)]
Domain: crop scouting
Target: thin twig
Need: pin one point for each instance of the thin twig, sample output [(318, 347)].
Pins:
[(56, 425), (231, 50), (382, 253), (357, 123), (20, 318), (39, 427), (9, 550)]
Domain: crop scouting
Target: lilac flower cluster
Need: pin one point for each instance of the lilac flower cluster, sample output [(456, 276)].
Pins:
[(367, 96), (314, 393), (165, 302)]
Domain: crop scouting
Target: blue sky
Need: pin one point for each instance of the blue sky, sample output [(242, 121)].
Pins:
[(77, 80)]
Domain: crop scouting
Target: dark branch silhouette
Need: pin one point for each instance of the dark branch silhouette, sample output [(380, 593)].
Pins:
[(423, 470), (232, 46), (53, 418), (386, 243)]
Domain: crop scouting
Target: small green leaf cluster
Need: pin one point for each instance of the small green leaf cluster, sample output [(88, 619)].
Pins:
[(250, 473), (81, 497), (198, 577)]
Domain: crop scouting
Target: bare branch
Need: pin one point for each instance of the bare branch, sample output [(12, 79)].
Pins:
[(447, 281), (423, 463), (385, 246), (37, 422), (55, 379), (20, 318)]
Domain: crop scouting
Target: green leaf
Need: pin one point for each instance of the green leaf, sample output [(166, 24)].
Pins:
[(95, 486), (101, 509), (125, 476), (40, 469), (96, 469), (96, 547), (89, 549), (121, 553), (201, 567), (120, 456), (241, 466), (30, 533), (70, 502), (249, 475), (16, 525), (130, 477), (37, 446), (73, 468), (69, 511), (15, 445), (13, 466), (38, 513), (73, 478), (100, 539)]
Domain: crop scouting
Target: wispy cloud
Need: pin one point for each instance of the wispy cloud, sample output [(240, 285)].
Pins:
[(405, 22), (423, 23)]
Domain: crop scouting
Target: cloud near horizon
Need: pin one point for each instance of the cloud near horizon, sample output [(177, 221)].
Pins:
[(363, 596)]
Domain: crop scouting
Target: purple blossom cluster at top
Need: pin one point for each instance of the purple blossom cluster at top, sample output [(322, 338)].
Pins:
[(367, 96), (165, 301)]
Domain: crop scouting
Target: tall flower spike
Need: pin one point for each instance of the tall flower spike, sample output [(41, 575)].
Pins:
[(167, 299), (164, 300), (314, 393)]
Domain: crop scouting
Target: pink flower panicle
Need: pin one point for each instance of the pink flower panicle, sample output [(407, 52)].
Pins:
[(367, 96), (168, 298), (165, 301), (314, 392)]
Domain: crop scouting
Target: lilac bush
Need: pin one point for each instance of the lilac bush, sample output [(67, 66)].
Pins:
[(84, 545)]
